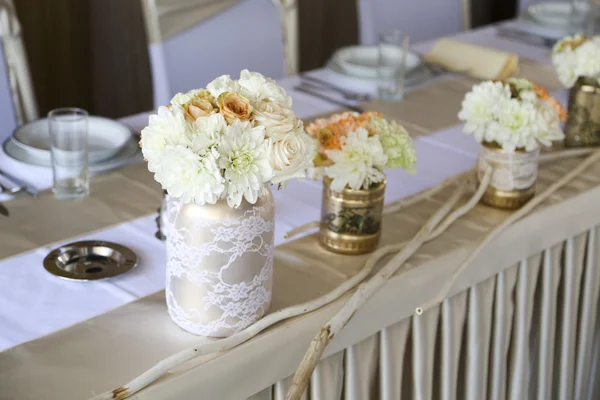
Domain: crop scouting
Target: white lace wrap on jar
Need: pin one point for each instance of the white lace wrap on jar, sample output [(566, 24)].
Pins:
[(512, 171), (219, 265)]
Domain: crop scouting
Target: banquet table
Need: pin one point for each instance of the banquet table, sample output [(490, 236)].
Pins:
[(71, 340)]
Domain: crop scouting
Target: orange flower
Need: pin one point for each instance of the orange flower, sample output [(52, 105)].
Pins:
[(542, 94)]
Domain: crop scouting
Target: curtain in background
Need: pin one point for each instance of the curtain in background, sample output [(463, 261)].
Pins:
[(485, 12), (324, 27), (87, 53)]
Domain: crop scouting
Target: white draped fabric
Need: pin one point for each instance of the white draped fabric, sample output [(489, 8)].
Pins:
[(530, 332), (15, 64), (226, 36)]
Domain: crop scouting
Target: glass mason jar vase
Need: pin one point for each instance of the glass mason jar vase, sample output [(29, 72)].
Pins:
[(351, 219), (583, 121), (219, 264), (514, 177)]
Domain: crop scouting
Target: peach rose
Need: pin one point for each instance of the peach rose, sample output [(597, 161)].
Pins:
[(234, 106)]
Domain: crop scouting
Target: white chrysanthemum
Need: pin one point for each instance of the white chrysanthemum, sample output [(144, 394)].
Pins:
[(222, 84), (167, 127), (565, 64), (275, 118), (358, 164), (257, 88), (587, 59), (481, 105), (190, 177), (206, 132), (244, 157), (291, 154), (514, 128)]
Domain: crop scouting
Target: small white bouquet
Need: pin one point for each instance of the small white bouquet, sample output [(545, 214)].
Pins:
[(353, 149), (513, 114), (227, 141), (577, 56)]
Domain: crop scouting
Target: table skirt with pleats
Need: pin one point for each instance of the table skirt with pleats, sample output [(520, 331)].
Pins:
[(530, 332)]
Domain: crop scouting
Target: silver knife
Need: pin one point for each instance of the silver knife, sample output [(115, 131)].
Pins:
[(525, 37), (29, 189), (328, 99)]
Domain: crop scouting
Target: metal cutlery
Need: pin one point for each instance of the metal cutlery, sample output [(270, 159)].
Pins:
[(328, 99), (22, 185), (347, 94), (14, 190), (525, 37)]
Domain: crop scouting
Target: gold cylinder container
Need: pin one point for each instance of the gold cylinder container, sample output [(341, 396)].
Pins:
[(351, 219), (219, 264), (583, 122), (513, 181)]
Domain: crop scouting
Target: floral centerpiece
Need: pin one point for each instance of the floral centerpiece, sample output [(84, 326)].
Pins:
[(215, 151), (353, 151), (577, 62), (511, 119)]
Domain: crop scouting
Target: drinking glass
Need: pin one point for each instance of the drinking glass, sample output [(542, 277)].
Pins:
[(69, 148), (391, 66)]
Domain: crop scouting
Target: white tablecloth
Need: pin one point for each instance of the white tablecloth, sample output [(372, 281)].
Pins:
[(34, 303)]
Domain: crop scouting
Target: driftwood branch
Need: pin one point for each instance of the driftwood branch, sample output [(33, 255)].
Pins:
[(442, 219)]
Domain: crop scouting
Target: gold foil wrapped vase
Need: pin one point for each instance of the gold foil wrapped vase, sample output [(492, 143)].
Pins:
[(515, 174), (583, 122), (219, 265), (351, 219)]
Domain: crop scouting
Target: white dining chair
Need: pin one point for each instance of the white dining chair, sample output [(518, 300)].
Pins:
[(191, 42), (17, 98), (422, 20)]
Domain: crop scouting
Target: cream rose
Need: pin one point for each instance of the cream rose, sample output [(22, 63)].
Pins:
[(275, 118), (234, 107), (291, 154)]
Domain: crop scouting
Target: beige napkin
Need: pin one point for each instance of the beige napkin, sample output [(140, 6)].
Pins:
[(478, 61)]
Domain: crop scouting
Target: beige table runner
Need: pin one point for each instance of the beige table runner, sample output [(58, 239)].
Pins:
[(116, 197), (436, 106), (90, 356), (131, 192)]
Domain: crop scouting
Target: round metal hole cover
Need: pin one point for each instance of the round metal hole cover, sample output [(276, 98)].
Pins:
[(90, 260)]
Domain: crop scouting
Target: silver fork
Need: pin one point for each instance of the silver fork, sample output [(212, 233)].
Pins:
[(13, 190), (317, 83)]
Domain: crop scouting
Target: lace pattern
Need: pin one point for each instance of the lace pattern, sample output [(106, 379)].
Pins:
[(219, 271)]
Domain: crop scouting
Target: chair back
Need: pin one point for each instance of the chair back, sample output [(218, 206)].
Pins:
[(17, 99), (191, 42), (441, 17)]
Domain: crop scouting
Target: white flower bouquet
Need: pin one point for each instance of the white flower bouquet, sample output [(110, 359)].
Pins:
[(577, 56), (353, 149), (512, 114), (227, 141)]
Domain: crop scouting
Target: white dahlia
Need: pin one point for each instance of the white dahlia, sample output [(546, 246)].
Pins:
[(190, 177), (481, 105), (166, 128), (245, 159), (358, 164), (206, 132)]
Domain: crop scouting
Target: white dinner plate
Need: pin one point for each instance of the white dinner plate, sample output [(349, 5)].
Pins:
[(126, 155), (106, 137), (362, 61), (558, 14)]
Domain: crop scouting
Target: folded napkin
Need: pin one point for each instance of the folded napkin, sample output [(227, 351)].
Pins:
[(477, 61)]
